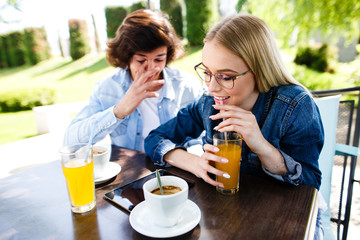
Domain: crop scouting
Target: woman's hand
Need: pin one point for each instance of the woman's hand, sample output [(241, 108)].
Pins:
[(140, 89), (199, 166), (206, 164), (242, 122)]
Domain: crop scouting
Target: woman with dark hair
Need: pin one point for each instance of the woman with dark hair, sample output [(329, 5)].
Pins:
[(143, 91)]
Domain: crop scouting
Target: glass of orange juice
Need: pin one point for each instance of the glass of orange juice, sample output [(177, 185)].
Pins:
[(79, 175), (229, 144)]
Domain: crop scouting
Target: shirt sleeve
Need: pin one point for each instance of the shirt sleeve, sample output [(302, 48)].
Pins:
[(175, 133), (101, 123), (294, 173), (301, 138)]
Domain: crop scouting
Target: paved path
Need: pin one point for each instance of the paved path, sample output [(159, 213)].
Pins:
[(354, 225)]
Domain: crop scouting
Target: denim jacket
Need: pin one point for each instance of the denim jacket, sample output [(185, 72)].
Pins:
[(287, 116), (180, 88)]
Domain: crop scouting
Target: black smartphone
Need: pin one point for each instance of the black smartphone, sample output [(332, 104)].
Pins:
[(128, 196)]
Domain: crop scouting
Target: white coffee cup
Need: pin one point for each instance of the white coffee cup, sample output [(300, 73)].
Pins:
[(101, 155), (166, 210)]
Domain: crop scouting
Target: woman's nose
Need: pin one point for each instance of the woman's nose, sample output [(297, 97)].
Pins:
[(213, 85)]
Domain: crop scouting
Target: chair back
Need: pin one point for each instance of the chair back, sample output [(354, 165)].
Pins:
[(328, 107), (346, 152)]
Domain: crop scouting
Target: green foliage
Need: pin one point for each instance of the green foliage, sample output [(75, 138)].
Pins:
[(296, 21), (26, 99), (314, 58), (174, 10), (137, 6), (239, 5), (114, 17), (353, 69), (79, 40), (199, 19), (16, 48), (3, 52), (20, 47), (37, 46), (313, 80)]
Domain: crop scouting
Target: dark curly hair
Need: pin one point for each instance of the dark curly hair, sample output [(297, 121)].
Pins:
[(143, 30)]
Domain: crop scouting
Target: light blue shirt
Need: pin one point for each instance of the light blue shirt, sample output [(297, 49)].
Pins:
[(180, 88)]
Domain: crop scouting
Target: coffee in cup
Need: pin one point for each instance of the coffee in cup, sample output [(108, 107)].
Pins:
[(166, 210), (167, 190)]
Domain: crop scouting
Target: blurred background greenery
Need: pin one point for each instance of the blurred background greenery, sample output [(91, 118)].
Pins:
[(318, 40)]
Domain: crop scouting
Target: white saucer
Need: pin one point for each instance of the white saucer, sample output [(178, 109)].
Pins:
[(140, 220), (112, 169)]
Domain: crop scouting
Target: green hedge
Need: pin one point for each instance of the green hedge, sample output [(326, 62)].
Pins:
[(138, 5), (174, 10), (37, 47), (26, 99), (199, 20), (114, 17), (21, 47), (16, 47), (79, 39), (3, 52)]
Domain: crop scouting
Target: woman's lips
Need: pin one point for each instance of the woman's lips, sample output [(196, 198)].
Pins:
[(221, 100)]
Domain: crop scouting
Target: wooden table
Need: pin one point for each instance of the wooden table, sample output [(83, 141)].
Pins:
[(34, 205)]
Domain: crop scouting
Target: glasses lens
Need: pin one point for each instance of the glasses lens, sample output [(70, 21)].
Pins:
[(203, 74), (229, 83)]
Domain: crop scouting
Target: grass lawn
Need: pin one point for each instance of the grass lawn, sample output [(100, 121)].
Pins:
[(72, 80), (16, 126)]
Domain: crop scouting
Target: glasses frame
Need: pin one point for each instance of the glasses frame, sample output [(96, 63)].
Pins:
[(218, 76)]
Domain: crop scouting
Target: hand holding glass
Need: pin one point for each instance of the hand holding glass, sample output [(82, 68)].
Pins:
[(229, 144)]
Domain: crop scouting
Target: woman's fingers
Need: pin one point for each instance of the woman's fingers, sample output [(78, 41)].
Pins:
[(142, 76), (208, 160), (240, 121)]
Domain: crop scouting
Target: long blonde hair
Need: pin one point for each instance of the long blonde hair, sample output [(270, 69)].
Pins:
[(251, 39)]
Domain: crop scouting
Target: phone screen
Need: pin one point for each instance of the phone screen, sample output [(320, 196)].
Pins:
[(129, 195)]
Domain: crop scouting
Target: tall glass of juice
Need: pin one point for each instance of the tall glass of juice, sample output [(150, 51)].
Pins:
[(78, 168), (229, 144)]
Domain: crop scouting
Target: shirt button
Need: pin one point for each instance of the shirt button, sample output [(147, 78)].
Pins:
[(138, 134)]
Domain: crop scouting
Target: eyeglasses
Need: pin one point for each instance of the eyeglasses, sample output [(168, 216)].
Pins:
[(221, 79)]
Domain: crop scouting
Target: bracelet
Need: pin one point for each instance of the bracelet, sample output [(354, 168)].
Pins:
[(277, 166)]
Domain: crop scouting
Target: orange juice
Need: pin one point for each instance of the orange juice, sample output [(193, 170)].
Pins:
[(80, 181), (232, 152)]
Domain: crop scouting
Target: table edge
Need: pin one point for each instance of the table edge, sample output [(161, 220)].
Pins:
[(311, 225)]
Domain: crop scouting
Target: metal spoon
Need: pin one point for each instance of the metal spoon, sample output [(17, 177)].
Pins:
[(159, 181)]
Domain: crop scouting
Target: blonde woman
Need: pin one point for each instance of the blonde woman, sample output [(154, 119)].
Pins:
[(277, 117)]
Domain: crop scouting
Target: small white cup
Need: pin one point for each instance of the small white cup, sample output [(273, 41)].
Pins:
[(166, 210), (101, 154)]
